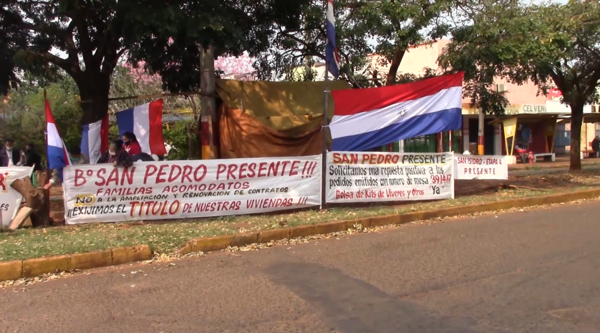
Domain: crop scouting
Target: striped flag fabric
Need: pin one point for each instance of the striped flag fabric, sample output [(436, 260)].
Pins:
[(368, 118), (58, 157), (145, 121), (332, 58), (94, 140)]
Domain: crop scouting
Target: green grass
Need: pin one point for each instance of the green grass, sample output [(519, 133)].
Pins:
[(167, 237)]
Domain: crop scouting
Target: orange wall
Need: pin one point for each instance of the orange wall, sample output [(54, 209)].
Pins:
[(426, 55)]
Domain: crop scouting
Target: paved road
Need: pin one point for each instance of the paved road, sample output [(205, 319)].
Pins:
[(532, 271)]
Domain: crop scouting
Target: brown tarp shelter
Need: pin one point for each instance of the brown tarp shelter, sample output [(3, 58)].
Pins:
[(265, 119)]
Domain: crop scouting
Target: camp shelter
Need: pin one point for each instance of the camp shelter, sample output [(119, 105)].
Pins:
[(535, 131), (266, 119)]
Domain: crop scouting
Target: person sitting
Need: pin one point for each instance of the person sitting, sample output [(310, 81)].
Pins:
[(77, 158), (524, 153), (116, 155), (131, 144), (143, 157), (596, 146)]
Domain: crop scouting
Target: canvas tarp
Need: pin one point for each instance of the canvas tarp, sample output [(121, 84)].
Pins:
[(260, 119)]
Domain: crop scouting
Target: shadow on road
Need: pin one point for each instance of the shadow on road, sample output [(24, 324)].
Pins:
[(354, 306)]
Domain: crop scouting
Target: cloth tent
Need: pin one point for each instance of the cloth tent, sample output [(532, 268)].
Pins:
[(265, 119)]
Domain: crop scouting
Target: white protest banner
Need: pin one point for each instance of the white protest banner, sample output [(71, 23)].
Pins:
[(188, 189), (10, 200), (370, 177), (480, 167)]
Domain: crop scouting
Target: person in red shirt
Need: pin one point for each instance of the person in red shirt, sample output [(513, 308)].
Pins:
[(130, 144)]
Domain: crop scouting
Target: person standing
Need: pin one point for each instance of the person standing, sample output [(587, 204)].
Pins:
[(9, 156), (77, 158), (131, 144), (32, 158), (596, 146)]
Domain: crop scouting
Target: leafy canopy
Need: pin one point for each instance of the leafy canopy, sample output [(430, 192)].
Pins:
[(86, 38), (387, 28), (550, 45)]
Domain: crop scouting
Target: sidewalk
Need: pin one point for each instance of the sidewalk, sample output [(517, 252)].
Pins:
[(561, 162)]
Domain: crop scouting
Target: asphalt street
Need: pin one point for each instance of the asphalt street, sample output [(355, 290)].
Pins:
[(530, 271)]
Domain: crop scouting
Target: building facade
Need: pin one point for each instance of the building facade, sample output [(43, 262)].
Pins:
[(525, 101)]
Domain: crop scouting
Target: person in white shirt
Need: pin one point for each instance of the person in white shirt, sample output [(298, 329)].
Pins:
[(9, 156)]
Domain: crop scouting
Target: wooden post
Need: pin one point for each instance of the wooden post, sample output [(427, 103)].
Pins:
[(207, 101), (46, 206), (480, 140)]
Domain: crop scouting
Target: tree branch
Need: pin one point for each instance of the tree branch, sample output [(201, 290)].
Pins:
[(84, 36)]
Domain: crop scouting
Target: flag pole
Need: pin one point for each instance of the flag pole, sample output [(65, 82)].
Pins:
[(324, 132), (48, 171)]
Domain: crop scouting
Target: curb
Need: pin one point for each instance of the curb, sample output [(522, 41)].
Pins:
[(13, 270), (225, 241)]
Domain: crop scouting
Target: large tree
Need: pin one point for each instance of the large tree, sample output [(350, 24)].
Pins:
[(86, 38), (550, 45), (388, 28)]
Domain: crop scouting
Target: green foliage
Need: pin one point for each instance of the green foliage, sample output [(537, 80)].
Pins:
[(26, 122), (95, 34), (388, 28), (550, 45), (178, 135)]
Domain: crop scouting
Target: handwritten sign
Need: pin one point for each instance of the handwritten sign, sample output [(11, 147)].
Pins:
[(371, 177), (480, 167), (188, 189), (10, 200)]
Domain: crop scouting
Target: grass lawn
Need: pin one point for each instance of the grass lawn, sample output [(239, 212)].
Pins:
[(167, 237)]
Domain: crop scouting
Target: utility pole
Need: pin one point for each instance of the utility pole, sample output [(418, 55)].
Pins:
[(480, 140), (208, 112)]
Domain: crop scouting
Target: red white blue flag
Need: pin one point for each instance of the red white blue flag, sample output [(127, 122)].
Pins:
[(94, 140), (369, 118), (145, 121), (332, 58), (58, 157)]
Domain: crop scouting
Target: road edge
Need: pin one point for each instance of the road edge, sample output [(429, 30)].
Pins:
[(12, 270), (222, 242)]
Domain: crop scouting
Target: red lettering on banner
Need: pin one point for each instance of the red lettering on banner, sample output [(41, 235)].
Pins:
[(79, 177), (479, 161), (175, 173), (154, 208), (117, 176), (257, 170), (339, 158), (294, 170), (380, 159), (479, 171), (217, 206), (161, 173), (343, 194)]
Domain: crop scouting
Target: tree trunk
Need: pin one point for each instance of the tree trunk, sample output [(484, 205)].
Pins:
[(576, 122), (393, 71), (36, 200), (94, 91)]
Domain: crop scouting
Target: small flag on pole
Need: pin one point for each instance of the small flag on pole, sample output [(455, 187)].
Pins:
[(332, 58), (145, 121), (94, 140), (58, 157)]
